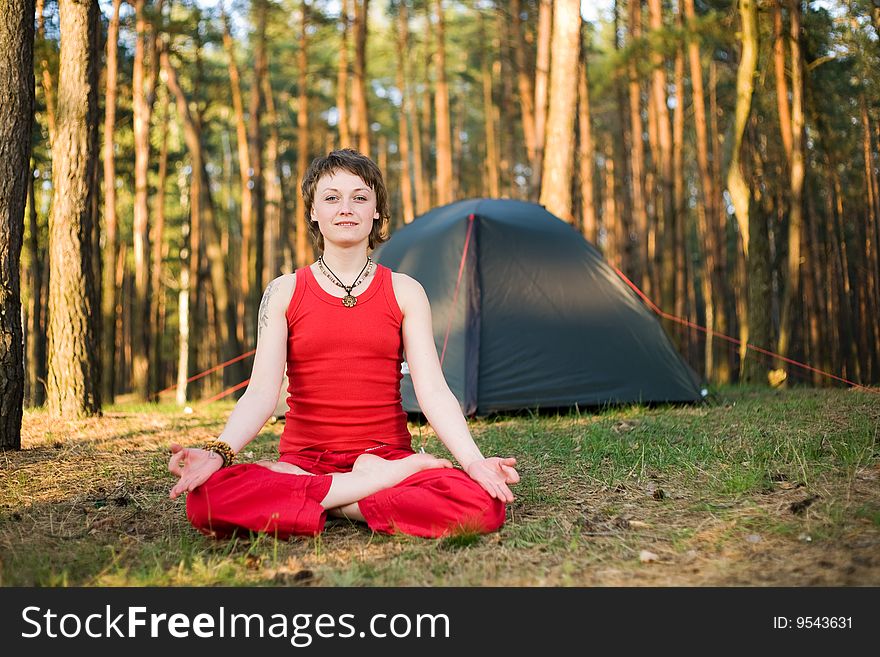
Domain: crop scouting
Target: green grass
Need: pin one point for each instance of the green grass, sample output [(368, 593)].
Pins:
[(712, 490), (869, 512)]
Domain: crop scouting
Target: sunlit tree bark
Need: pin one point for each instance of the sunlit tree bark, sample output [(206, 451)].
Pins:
[(16, 120), (109, 291), (791, 292), (542, 79), (144, 79), (586, 149), (74, 363), (406, 191), (441, 111), (342, 80), (360, 120), (489, 115), (303, 251), (737, 186), (559, 148)]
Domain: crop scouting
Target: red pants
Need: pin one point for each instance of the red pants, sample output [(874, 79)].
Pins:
[(430, 503)]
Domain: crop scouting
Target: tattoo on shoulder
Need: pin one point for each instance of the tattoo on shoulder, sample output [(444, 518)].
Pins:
[(264, 305)]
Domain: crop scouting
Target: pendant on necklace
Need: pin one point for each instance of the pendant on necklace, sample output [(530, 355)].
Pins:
[(349, 301)]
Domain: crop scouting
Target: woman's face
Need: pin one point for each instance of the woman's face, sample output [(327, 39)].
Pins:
[(344, 207)]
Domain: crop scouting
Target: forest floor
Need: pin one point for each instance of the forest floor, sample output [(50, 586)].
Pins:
[(753, 488)]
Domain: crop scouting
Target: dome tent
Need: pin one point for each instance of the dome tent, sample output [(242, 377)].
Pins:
[(527, 314)]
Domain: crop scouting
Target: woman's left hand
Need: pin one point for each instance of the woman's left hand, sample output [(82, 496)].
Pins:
[(494, 474), (194, 467)]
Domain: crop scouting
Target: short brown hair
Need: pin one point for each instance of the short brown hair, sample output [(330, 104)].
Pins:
[(350, 160)]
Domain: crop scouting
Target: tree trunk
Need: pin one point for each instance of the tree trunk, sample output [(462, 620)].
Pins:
[(441, 113), (46, 77), (303, 252), (225, 310), (507, 143), (655, 203), (779, 74), (74, 363), (16, 120), (745, 86), (791, 294), (126, 292), (140, 227), (637, 157), (681, 266), (211, 333), (183, 316), (738, 189), (36, 328), (815, 293), (758, 281), (255, 141), (523, 79), (361, 128), (276, 240), (610, 220), (875, 240), (725, 315), (542, 76), (871, 305), (425, 122), (143, 96), (197, 287), (158, 245), (123, 310), (186, 298), (382, 152), (666, 220), (621, 147), (489, 114), (589, 223), (457, 117), (876, 180), (342, 120), (245, 172), (836, 301), (559, 152), (872, 262), (109, 290), (421, 185), (712, 282), (405, 112), (839, 249)]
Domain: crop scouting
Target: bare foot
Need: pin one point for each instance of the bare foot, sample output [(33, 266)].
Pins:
[(284, 468), (393, 472)]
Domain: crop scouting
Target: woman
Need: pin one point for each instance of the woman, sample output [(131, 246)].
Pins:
[(342, 325)]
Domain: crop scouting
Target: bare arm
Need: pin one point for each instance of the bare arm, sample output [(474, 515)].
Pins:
[(259, 400), (436, 400), (194, 466)]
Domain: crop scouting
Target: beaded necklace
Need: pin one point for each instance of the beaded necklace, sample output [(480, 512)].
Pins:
[(349, 300)]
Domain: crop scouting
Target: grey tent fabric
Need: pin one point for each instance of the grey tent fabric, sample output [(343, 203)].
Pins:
[(539, 319)]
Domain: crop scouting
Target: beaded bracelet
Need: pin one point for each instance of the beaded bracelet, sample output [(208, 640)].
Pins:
[(221, 448)]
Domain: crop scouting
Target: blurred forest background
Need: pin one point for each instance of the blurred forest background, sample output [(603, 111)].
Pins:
[(723, 154)]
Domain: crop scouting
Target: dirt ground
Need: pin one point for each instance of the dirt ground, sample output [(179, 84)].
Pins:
[(85, 502)]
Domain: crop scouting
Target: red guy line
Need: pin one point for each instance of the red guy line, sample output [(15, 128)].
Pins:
[(228, 391), (674, 318), (213, 369), (467, 241)]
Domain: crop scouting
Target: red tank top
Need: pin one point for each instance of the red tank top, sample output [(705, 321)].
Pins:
[(343, 365)]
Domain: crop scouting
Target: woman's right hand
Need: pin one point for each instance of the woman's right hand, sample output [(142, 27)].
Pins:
[(194, 467)]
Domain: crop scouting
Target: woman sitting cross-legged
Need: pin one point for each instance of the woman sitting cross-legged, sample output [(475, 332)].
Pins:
[(341, 325)]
